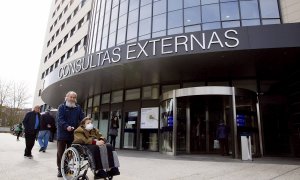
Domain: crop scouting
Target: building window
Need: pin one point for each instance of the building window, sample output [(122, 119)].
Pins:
[(51, 68), (85, 40), (69, 53), (43, 75), (192, 16), (105, 98), (151, 92), (66, 8), (175, 19), (75, 11), (66, 38), (230, 11), (56, 64), (72, 31), (249, 9), (117, 96), (40, 92), (269, 9), (80, 23), (59, 17), (48, 43), (210, 13), (77, 46), (69, 19), (62, 26), (55, 22), (62, 59), (132, 94), (57, 32), (59, 45), (46, 58)]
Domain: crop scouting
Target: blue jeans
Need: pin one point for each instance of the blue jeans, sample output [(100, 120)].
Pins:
[(43, 138)]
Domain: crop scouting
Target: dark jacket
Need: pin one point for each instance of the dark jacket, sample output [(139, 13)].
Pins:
[(222, 131), (29, 121), (67, 116), (45, 120)]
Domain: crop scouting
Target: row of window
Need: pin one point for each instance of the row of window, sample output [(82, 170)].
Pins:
[(67, 55), (64, 23), (117, 23), (67, 36), (60, 5)]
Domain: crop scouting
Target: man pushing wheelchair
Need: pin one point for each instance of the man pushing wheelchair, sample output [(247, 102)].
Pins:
[(73, 128)]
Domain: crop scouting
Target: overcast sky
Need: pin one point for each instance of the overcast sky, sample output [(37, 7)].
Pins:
[(22, 31)]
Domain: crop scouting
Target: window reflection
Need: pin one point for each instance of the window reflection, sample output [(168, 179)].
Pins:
[(269, 9), (210, 13), (230, 11), (191, 3), (146, 11), (252, 22), (159, 7), (132, 31), (229, 24), (175, 19), (192, 16), (249, 9), (174, 5), (145, 27), (159, 22), (208, 26)]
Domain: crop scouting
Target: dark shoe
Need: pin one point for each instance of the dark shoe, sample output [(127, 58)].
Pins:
[(100, 174), (41, 149), (59, 174), (114, 171), (29, 156), (44, 150)]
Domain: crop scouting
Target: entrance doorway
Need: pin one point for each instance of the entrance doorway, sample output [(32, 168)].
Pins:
[(190, 118), (206, 112)]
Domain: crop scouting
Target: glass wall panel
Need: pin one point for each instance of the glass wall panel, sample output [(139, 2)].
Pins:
[(209, 1), (121, 36), (133, 16), (175, 19), (178, 30), (96, 100), (159, 7), (117, 96), (146, 11), (130, 128), (191, 3), (144, 2), (269, 9), (122, 21), (252, 22), (230, 11), (210, 13), (134, 4), (229, 24), (105, 98), (193, 28), (166, 126), (90, 102), (208, 26), (123, 8), (151, 92), (132, 31), (145, 27), (270, 21), (159, 22), (192, 16), (249, 9), (132, 94), (174, 5)]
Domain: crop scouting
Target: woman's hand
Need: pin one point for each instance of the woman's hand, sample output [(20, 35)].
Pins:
[(99, 143)]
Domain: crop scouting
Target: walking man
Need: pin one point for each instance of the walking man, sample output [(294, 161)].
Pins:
[(68, 118), (47, 122), (31, 124), (222, 136)]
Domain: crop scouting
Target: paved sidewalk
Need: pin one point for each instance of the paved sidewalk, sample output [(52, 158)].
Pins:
[(136, 165)]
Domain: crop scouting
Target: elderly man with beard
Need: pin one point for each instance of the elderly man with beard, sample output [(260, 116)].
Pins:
[(68, 118)]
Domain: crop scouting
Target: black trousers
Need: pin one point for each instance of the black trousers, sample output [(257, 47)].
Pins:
[(29, 141), (224, 150), (113, 140), (18, 134), (62, 145), (95, 151)]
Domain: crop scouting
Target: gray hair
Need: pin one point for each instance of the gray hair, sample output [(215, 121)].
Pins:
[(70, 93)]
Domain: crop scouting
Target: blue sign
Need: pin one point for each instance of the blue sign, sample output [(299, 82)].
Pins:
[(170, 121), (240, 120)]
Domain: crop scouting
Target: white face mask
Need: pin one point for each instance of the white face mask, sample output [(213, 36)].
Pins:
[(89, 126)]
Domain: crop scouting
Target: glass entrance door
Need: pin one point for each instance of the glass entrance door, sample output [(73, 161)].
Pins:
[(206, 113), (130, 129)]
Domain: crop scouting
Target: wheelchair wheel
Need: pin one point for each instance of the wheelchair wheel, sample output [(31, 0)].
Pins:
[(82, 177), (70, 164)]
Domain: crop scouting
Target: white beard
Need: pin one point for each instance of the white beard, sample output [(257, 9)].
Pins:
[(70, 104)]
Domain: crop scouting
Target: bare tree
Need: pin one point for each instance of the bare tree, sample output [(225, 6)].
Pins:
[(13, 97)]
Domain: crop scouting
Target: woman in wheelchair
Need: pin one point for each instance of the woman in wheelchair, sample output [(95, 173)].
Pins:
[(89, 136)]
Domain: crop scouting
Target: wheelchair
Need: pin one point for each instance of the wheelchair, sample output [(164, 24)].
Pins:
[(76, 161)]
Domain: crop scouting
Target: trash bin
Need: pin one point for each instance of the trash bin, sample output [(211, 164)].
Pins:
[(246, 147)]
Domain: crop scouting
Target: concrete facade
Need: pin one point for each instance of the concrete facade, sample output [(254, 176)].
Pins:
[(290, 11)]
